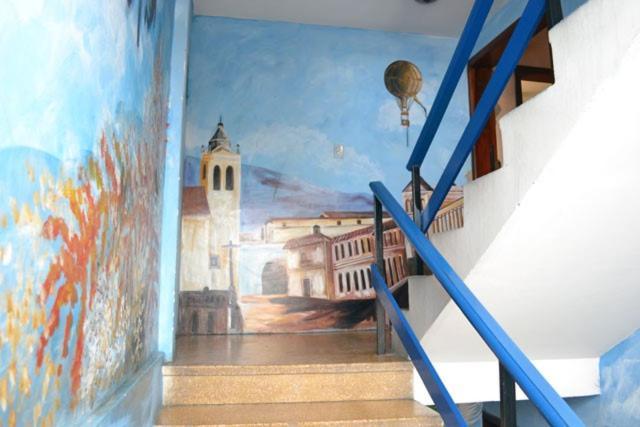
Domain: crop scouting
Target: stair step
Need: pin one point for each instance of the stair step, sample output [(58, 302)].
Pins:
[(385, 379), (388, 413)]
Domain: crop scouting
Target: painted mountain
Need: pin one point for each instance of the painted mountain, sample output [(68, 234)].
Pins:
[(267, 194)]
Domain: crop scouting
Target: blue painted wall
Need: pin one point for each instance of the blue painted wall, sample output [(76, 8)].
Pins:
[(288, 92), (172, 195), (83, 118), (620, 383)]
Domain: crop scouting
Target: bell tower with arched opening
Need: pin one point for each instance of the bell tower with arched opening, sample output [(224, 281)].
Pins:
[(220, 174)]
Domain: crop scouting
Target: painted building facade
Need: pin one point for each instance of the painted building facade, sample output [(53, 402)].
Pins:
[(220, 168), (210, 239), (353, 253), (196, 269), (204, 312), (331, 223), (308, 264)]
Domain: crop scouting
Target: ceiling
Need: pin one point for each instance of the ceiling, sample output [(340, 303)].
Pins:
[(442, 18)]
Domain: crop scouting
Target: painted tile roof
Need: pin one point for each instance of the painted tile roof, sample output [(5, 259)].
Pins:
[(194, 202), (310, 239)]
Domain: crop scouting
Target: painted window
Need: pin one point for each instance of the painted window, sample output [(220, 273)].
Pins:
[(362, 280), (214, 261), (204, 171), (348, 282), (194, 322), (340, 282), (356, 282), (210, 323), (216, 178), (228, 179)]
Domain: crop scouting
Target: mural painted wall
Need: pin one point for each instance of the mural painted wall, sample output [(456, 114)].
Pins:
[(620, 384), (286, 126), (83, 95)]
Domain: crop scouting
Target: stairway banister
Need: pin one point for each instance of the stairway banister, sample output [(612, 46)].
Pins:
[(518, 43), (552, 407), (466, 43), (437, 390)]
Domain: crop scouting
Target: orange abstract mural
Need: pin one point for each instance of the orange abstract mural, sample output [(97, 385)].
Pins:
[(79, 232)]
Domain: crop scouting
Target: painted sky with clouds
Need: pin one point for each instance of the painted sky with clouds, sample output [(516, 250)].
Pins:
[(66, 58), (289, 92)]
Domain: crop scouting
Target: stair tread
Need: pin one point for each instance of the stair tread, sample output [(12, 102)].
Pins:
[(290, 350), (388, 363), (400, 412)]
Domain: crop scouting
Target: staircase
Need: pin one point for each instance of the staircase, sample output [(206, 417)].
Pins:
[(545, 244), (280, 380)]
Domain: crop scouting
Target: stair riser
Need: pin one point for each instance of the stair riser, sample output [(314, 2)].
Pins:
[(286, 388)]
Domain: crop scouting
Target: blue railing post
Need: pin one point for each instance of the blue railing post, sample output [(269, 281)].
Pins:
[(381, 320)]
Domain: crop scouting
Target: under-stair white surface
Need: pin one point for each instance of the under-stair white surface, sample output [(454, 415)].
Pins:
[(551, 243)]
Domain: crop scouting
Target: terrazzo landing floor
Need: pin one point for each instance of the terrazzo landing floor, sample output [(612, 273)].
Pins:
[(278, 349)]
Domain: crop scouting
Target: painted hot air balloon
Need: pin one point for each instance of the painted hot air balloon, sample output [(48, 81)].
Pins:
[(403, 80)]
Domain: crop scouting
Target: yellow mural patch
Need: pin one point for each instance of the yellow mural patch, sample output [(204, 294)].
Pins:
[(4, 391)]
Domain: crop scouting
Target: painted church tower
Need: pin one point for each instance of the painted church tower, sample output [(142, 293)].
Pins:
[(220, 172)]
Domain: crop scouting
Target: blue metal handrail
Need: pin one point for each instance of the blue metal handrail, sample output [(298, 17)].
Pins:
[(552, 407), (468, 38), (438, 392), (518, 43)]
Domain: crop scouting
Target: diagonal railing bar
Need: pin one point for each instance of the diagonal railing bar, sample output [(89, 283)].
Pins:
[(468, 38), (519, 41), (437, 390), (552, 407)]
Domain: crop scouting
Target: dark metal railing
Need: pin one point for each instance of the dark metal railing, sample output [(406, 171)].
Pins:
[(554, 13), (516, 365)]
